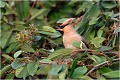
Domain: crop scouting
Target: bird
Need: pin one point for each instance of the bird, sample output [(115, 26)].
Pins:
[(70, 35)]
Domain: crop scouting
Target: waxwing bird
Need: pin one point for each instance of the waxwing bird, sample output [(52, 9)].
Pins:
[(70, 35)]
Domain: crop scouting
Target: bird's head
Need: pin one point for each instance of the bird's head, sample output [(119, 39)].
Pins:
[(66, 26), (67, 29)]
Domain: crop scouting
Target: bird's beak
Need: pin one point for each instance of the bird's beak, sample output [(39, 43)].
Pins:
[(60, 29)]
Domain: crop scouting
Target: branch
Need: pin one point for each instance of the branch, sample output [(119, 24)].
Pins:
[(101, 64), (104, 52), (83, 50), (30, 11)]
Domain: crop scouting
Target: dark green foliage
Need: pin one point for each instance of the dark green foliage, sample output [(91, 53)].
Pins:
[(31, 47)]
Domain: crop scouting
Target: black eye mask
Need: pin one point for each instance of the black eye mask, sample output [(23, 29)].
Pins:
[(61, 27)]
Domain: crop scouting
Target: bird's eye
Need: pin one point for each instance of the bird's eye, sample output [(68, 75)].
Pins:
[(61, 27)]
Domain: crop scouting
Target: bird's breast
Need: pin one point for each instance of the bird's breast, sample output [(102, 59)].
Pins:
[(68, 40)]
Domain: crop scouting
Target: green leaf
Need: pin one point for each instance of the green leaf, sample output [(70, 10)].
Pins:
[(104, 70), (1, 16), (113, 40), (62, 20), (19, 22), (32, 68), (37, 14), (41, 16), (52, 41), (7, 56), (16, 63), (76, 44), (21, 72), (27, 48), (2, 4), (116, 19), (94, 58), (99, 33), (5, 28), (63, 73), (92, 34), (11, 47), (44, 69), (13, 39), (55, 34), (108, 4), (72, 2), (0, 33), (105, 48), (9, 10), (17, 53), (112, 74), (23, 9), (93, 12), (19, 27), (59, 53), (78, 72), (101, 78), (108, 14), (115, 16), (5, 38), (45, 61), (97, 41), (4, 69), (47, 28), (74, 64), (85, 78), (103, 58), (55, 69), (83, 7), (10, 76), (93, 21)]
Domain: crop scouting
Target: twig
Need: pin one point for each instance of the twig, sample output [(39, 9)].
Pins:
[(101, 64), (111, 53), (108, 39), (83, 50), (30, 10)]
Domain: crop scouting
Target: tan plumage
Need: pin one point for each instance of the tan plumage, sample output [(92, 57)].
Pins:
[(70, 36)]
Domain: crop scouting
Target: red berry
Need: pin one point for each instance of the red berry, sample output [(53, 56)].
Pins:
[(3, 62)]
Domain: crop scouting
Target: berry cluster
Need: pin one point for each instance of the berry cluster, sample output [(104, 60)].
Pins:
[(25, 36)]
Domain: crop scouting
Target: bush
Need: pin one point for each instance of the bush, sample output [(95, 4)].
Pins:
[(32, 48)]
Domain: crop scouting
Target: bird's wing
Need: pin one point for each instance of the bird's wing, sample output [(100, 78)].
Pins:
[(79, 38), (84, 41)]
